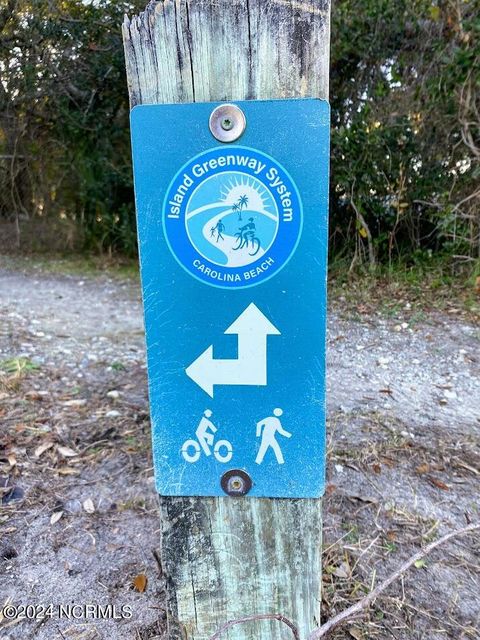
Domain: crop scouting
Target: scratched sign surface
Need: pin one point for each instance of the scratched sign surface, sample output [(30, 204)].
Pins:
[(233, 247)]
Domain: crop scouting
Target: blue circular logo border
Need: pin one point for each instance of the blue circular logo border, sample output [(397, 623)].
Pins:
[(189, 253)]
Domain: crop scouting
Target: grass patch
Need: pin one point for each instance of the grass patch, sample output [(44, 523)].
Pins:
[(13, 371), (73, 265), (415, 288), (18, 366)]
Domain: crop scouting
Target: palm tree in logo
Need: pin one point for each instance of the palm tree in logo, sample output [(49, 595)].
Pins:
[(236, 208), (242, 202)]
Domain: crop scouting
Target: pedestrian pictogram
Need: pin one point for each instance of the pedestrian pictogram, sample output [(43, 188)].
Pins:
[(267, 430)]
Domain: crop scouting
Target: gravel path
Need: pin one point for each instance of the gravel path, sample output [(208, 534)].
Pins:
[(78, 521)]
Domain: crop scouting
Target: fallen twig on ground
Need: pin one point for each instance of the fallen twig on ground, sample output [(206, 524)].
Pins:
[(362, 605), (262, 616)]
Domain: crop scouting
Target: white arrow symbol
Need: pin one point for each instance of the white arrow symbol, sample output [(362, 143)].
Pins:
[(250, 368)]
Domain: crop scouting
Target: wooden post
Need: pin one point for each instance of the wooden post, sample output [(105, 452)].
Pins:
[(225, 558)]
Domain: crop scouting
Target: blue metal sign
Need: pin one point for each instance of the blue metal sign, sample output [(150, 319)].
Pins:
[(233, 247)]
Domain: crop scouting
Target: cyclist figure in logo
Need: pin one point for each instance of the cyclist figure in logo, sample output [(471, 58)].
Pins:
[(220, 228), (248, 230), (246, 236), (205, 432)]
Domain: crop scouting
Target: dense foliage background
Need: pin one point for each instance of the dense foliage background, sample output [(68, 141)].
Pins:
[(406, 128)]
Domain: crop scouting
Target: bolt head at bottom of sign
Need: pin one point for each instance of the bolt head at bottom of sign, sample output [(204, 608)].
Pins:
[(236, 482)]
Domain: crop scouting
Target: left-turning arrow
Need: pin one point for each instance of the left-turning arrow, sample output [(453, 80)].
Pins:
[(250, 368)]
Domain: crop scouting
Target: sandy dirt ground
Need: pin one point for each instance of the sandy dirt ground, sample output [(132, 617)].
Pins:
[(78, 521)]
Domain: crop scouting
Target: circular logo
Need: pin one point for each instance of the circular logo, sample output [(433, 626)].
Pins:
[(232, 217)]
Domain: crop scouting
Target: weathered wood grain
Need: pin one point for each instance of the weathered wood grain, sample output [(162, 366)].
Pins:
[(228, 557), (210, 50)]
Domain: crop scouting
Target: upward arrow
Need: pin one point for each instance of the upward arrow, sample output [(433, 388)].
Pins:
[(250, 368)]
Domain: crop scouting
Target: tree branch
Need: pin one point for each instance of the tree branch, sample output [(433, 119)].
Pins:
[(264, 616), (361, 219), (362, 605)]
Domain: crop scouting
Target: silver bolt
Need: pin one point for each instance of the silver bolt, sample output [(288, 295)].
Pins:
[(227, 123), (236, 484)]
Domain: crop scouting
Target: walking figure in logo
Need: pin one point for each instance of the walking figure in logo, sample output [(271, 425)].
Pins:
[(267, 429), (220, 228)]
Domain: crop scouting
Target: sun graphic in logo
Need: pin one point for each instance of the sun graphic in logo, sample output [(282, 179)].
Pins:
[(245, 193), (232, 219)]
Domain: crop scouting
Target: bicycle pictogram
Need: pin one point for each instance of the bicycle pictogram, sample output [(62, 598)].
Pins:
[(205, 434)]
